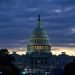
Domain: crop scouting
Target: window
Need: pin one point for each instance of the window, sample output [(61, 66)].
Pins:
[(42, 47), (38, 47)]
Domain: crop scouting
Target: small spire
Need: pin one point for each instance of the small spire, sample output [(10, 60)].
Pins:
[(39, 20)]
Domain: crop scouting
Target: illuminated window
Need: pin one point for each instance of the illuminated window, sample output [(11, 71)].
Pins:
[(34, 47), (42, 47), (37, 47)]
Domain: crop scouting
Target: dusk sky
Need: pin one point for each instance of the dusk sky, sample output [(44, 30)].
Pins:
[(19, 17)]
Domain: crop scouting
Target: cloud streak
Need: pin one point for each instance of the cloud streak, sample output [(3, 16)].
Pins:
[(19, 17)]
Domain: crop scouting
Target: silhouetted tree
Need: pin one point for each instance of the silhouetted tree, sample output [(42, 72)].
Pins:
[(69, 69), (6, 63)]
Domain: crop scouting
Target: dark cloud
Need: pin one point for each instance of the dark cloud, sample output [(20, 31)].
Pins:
[(19, 17)]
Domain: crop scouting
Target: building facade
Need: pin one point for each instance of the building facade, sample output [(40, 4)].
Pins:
[(38, 50)]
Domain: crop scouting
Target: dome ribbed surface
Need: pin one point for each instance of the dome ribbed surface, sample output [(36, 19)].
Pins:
[(39, 41)]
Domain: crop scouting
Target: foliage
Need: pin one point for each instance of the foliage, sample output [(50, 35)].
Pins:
[(6, 63)]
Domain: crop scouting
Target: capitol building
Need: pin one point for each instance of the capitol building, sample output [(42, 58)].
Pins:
[(39, 59)]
